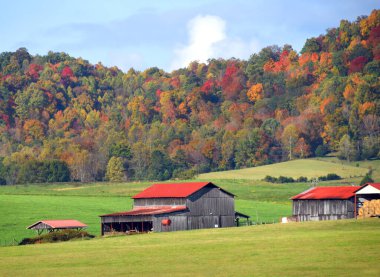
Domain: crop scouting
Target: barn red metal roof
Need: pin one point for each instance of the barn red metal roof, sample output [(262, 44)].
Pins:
[(178, 190), (61, 224), (342, 192), (149, 210)]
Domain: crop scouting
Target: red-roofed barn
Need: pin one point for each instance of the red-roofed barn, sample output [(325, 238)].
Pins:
[(325, 203), (174, 207)]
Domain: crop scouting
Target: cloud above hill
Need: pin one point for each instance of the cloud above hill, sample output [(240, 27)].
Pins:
[(208, 38)]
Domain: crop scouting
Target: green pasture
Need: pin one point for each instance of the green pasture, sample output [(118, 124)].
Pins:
[(334, 248), (20, 211), (310, 168), (22, 205)]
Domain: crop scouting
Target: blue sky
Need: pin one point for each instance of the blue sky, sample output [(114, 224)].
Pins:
[(165, 33)]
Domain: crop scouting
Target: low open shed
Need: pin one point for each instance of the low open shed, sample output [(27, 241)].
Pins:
[(367, 200), (367, 192), (55, 225)]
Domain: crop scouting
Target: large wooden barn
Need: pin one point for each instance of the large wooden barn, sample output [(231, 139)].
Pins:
[(325, 203), (174, 207)]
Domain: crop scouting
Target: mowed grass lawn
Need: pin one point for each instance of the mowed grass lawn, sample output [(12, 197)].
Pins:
[(310, 168), (334, 248)]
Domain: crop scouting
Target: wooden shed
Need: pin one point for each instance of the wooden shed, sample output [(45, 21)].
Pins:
[(174, 207), (325, 203)]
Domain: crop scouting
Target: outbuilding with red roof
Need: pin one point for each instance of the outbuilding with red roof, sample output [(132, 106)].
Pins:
[(53, 225), (325, 203), (174, 207)]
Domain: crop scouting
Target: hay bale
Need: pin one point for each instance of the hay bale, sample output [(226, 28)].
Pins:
[(369, 209)]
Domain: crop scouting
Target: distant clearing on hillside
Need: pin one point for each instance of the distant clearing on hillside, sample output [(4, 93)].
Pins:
[(309, 168)]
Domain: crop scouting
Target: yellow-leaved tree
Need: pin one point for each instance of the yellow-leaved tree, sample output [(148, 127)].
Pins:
[(256, 92)]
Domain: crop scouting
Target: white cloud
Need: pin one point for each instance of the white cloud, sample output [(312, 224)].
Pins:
[(208, 39)]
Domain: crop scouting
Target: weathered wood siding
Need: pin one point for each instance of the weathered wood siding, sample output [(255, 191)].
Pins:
[(211, 201), (160, 202), (325, 209), (178, 223), (210, 207), (183, 222)]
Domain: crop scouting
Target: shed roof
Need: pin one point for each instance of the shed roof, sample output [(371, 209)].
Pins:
[(369, 188), (60, 224), (375, 185), (177, 190), (149, 210), (341, 192)]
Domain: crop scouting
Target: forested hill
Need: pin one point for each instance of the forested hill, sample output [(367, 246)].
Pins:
[(62, 117)]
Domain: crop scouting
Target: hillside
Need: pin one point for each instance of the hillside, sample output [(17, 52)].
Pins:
[(336, 248), (309, 168), (62, 118)]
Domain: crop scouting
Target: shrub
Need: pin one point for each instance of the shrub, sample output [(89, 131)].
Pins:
[(329, 177), (283, 179), (63, 235), (302, 179), (333, 176), (270, 179)]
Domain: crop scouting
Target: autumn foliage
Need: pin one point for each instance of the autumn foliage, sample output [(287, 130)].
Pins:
[(223, 114), (255, 92)]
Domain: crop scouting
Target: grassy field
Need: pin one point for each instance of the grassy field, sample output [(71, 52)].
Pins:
[(20, 210), (335, 248), (22, 205), (310, 168)]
